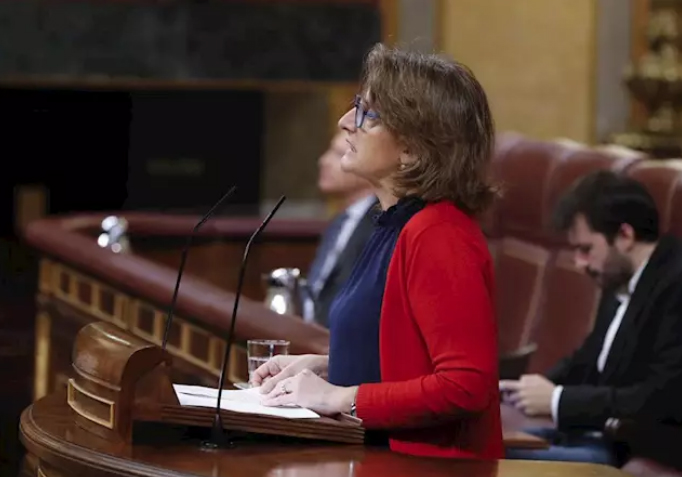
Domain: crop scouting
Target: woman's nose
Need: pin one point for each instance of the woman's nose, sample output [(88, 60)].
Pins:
[(347, 121)]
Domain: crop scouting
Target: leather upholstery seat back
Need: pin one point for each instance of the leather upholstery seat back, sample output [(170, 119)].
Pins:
[(541, 297), (523, 172), (663, 179)]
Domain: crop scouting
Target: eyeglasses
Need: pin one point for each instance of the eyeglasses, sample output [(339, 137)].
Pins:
[(361, 113)]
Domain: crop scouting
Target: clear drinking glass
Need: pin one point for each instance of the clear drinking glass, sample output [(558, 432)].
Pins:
[(259, 351)]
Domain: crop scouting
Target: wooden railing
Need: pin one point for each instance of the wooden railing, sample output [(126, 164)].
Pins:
[(80, 282)]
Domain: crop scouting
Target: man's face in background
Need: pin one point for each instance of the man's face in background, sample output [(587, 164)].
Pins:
[(608, 263), (332, 180)]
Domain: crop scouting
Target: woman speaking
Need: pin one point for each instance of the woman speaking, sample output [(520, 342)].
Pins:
[(413, 339)]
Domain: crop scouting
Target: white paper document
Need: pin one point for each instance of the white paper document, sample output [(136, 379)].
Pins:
[(247, 401)]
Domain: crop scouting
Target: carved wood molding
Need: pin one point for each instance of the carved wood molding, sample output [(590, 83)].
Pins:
[(73, 259), (67, 293)]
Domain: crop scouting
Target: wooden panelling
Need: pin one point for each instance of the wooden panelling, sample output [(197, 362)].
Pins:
[(535, 58), (63, 312), (640, 19)]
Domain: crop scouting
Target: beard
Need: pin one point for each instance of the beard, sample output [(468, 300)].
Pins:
[(618, 270)]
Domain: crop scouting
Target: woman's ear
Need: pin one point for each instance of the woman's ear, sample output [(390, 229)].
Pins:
[(406, 157)]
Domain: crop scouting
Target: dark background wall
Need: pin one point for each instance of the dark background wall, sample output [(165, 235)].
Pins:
[(302, 40)]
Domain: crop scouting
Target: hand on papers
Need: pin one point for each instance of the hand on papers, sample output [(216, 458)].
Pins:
[(281, 367), (246, 401), (310, 391), (532, 394)]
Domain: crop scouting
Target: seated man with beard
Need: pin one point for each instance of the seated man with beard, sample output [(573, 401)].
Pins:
[(631, 363)]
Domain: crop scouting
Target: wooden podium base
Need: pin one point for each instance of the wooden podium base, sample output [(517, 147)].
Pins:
[(121, 379), (324, 428)]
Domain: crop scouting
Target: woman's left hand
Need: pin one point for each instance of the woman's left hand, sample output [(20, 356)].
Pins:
[(310, 391)]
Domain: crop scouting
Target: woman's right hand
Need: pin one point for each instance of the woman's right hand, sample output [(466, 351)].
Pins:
[(281, 367)]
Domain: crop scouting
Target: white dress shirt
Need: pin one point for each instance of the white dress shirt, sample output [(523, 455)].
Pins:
[(624, 299), (354, 214)]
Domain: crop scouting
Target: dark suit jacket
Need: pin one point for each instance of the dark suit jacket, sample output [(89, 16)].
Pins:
[(344, 265), (643, 371)]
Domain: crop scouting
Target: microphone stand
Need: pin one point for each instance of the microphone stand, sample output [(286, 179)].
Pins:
[(218, 438), (183, 260)]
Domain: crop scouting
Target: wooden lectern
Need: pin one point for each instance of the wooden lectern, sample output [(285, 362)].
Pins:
[(121, 379)]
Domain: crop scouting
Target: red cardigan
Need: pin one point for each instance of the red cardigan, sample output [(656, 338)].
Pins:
[(439, 393)]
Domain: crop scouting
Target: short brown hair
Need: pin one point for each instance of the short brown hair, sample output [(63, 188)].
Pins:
[(608, 200), (440, 111)]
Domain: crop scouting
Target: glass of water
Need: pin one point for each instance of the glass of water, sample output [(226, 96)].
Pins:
[(260, 351)]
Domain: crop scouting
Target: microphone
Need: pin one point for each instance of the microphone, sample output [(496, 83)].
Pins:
[(183, 260), (217, 436)]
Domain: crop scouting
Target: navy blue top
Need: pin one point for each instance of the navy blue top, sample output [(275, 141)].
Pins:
[(355, 312)]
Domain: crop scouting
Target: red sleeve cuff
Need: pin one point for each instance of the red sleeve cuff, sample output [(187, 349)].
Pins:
[(363, 405), (384, 406)]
